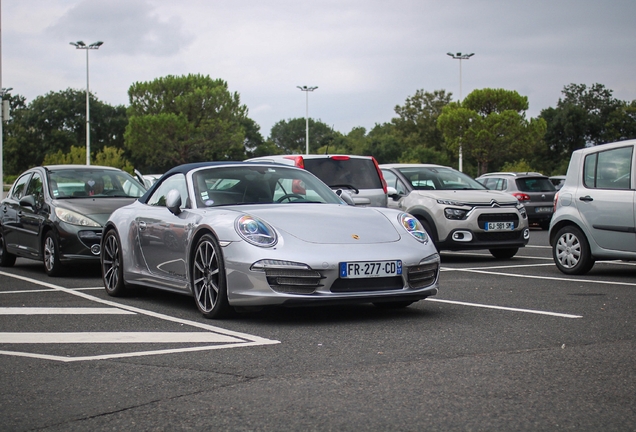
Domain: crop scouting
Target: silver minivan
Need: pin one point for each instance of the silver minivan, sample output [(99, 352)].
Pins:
[(360, 176), (594, 210)]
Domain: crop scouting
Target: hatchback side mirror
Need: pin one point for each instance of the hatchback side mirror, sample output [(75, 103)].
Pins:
[(28, 201), (345, 196)]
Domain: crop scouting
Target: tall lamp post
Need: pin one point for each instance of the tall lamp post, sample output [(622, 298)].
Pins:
[(307, 90), (459, 56), (82, 45)]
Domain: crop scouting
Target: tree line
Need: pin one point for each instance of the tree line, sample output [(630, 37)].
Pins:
[(178, 119)]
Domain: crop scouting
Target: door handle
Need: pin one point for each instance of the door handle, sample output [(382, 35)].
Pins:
[(142, 225), (586, 198)]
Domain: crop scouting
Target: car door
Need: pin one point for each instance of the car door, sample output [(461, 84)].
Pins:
[(393, 181), (162, 234), (11, 209), (606, 200), (32, 218)]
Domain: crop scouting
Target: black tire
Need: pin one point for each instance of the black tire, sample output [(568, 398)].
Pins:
[(207, 281), (505, 253), (112, 265), (51, 255), (571, 251), (393, 304), (431, 232), (6, 259)]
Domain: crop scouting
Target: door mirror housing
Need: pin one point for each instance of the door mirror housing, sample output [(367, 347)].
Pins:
[(173, 202)]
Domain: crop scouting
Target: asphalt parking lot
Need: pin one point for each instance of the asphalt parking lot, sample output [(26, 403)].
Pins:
[(505, 345)]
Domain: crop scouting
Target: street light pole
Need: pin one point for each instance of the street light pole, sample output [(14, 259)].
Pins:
[(82, 45), (459, 56), (307, 90)]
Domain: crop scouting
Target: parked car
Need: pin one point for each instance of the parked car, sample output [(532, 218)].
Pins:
[(458, 212), (249, 236), (147, 179), (594, 210), (359, 175), (56, 213), (534, 190), (557, 181)]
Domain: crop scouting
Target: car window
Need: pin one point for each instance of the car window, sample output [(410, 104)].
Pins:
[(427, 178), (356, 172), (93, 182), (393, 181), (535, 184), (176, 181), (17, 191), (35, 188), (610, 169)]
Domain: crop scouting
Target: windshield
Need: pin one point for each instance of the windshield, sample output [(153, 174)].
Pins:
[(93, 182), (439, 178), (253, 184)]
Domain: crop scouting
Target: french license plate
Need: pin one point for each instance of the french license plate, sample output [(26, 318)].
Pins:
[(543, 209), (499, 226), (367, 269)]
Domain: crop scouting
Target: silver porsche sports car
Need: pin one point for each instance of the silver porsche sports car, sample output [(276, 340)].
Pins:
[(239, 234)]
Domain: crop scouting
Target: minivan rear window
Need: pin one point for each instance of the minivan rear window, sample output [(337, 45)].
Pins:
[(535, 184), (359, 173)]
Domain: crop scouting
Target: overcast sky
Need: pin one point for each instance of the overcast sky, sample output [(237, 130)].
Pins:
[(365, 56)]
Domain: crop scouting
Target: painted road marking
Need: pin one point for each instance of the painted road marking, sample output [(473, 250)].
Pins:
[(556, 314), (221, 337), (115, 337), (62, 311)]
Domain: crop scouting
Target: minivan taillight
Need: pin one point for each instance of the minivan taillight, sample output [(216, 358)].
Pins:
[(521, 196), (556, 199), (298, 161), (377, 167)]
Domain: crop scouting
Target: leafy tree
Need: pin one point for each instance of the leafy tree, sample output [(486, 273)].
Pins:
[(175, 120), (490, 126), (56, 122), (417, 119), (108, 156), (289, 136)]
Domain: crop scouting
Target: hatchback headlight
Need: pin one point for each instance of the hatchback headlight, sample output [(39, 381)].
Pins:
[(74, 218), (413, 226), (452, 213), (256, 231)]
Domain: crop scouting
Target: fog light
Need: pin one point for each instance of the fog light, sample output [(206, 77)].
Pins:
[(462, 236), (95, 249), (526, 234)]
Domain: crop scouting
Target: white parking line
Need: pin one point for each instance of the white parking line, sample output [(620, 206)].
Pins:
[(556, 314), (115, 337), (62, 311), (552, 278)]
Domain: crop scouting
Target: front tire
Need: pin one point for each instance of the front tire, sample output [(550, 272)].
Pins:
[(571, 251), (208, 282), (505, 253), (51, 255), (112, 265), (6, 259)]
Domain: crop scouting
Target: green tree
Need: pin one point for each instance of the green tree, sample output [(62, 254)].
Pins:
[(289, 136), (417, 119), (108, 156), (490, 126), (56, 122), (175, 120)]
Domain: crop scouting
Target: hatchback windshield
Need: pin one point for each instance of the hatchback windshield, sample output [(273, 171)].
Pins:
[(254, 184), (439, 178), (93, 182)]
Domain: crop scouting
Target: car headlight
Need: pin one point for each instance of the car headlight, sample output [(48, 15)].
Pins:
[(413, 226), (452, 213), (75, 218), (256, 231)]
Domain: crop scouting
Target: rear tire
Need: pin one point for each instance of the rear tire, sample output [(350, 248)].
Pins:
[(571, 251), (112, 265), (6, 259), (506, 253)]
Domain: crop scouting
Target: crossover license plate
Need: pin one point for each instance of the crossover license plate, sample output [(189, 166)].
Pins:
[(543, 209), (499, 226), (366, 269)]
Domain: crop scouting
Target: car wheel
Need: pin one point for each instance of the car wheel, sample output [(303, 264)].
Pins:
[(51, 255), (571, 251), (208, 281), (112, 265), (431, 233), (505, 253), (6, 259)]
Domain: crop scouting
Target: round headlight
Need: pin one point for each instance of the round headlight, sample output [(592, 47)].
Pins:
[(413, 226), (256, 231)]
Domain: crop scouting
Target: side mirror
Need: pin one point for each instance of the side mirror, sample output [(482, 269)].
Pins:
[(345, 196), (173, 202), (392, 193), (28, 201)]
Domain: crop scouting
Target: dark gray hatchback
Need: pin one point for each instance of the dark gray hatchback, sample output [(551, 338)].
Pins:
[(534, 190)]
